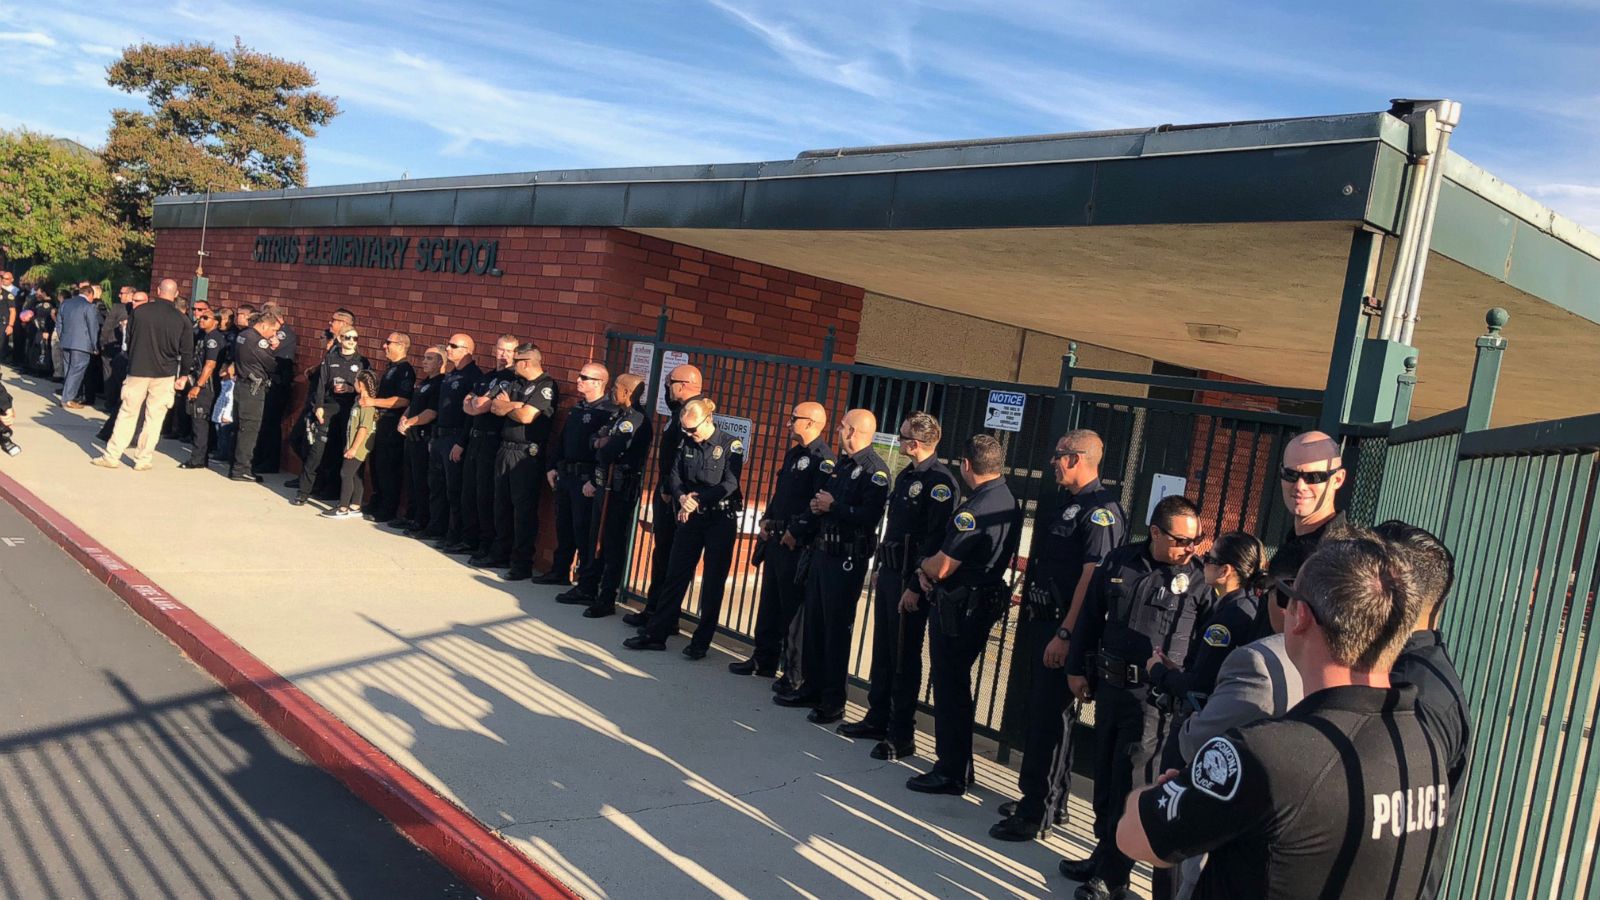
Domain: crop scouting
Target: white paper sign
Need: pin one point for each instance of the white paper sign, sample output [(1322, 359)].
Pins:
[(1163, 486), (1005, 410), (670, 360), (640, 357)]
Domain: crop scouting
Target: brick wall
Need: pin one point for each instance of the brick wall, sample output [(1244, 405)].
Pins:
[(561, 287), (1236, 464)]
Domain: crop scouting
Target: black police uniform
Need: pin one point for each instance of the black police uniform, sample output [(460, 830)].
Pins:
[(444, 475), (388, 445), (334, 393), (621, 448), (574, 464), (1336, 525), (1232, 621), (1425, 664), (983, 536), (843, 543), (519, 473), (1071, 531), (425, 396), (663, 514), (805, 468), (1346, 795), (1133, 606), (480, 446), (924, 498), (253, 364), (709, 470), (207, 349), (269, 453)]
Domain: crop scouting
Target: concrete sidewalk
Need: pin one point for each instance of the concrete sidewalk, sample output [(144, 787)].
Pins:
[(623, 774)]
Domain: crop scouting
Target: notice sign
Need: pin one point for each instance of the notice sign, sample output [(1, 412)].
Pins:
[(669, 360), (1163, 486), (641, 358), (1005, 410), (736, 427)]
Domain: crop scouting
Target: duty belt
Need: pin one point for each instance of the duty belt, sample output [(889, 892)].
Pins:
[(623, 480), (420, 433), (1042, 601), (529, 447), (892, 556), (446, 430), (571, 467), (953, 605), (1117, 672), (853, 547)]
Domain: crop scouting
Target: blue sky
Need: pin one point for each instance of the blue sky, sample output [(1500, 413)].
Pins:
[(438, 88)]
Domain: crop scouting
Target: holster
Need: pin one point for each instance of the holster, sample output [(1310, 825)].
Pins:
[(953, 606), (802, 565), (1043, 603), (892, 557)]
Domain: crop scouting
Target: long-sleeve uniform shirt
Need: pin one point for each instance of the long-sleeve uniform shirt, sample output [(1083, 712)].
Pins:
[(1230, 623), (336, 382), (1134, 605), (924, 498), (710, 470), (805, 468)]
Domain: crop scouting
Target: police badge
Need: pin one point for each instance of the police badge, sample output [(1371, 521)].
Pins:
[(1070, 511), (1180, 583), (716, 452), (915, 490), (802, 464)]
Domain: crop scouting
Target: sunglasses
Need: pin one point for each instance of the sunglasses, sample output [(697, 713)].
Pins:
[(1063, 454), (679, 381), (205, 319), (1290, 476), (1179, 541), (530, 359), (456, 346), (1210, 560), (390, 343), (348, 339), (580, 377), (907, 437)]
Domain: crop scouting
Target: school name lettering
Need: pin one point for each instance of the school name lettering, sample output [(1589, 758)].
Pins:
[(455, 256)]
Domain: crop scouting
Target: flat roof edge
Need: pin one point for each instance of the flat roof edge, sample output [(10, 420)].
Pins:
[(1474, 178)]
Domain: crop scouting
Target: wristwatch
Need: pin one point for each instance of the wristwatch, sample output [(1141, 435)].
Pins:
[(1063, 634)]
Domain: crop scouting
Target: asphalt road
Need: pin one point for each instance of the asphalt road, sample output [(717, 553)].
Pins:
[(125, 771)]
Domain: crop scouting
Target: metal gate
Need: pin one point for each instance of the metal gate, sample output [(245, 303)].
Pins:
[(1229, 456)]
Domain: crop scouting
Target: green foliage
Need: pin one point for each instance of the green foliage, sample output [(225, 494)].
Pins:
[(218, 121), (55, 202)]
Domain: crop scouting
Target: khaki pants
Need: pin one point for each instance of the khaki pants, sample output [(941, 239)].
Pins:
[(154, 396)]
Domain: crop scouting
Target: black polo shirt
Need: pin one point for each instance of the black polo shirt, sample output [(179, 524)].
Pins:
[(1342, 797), (1442, 706), (452, 390)]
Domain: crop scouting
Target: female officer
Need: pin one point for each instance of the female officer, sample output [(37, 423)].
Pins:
[(1234, 569), (704, 486)]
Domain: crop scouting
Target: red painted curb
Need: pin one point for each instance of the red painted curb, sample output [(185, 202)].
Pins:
[(478, 856)]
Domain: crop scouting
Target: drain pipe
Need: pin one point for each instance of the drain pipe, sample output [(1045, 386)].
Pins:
[(1449, 115), (1421, 151)]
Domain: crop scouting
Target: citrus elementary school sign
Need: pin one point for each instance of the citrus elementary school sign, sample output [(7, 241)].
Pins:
[(457, 256)]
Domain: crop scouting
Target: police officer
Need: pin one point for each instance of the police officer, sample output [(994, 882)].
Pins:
[(924, 498), (203, 392), (526, 407), (1144, 596), (573, 471), (478, 463), (1074, 530), (395, 388), (253, 364), (965, 589), (416, 428), (1312, 473), (269, 454), (620, 451), (704, 485), (1345, 796), (842, 519), (335, 394), (448, 445), (683, 385), (303, 437), (807, 464)]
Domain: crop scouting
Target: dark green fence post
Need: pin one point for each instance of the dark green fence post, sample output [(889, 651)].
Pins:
[(822, 376), (1486, 372), (1405, 386), (1065, 416)]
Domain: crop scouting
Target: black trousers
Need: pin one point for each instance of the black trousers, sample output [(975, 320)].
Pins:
[(710, 533), (832, 588), (574, 523), (518, 478), (477, 490), (388, 465), (444, 489), (952, 657), (318, 438), (247, 409), (351, 486), (1046, 749), (269, 453), (328, 464), (896, 676), (781, 598), (200, 415), (664, 528), (418, 499), (603, 579), (1127, 733)]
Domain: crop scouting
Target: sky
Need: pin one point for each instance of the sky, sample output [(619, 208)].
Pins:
[(429, 87)]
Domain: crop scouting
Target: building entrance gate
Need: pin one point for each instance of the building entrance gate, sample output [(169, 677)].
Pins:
[(1226, 458)]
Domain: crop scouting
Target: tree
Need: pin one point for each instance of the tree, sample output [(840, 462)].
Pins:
[(56, 208), (218, 121)]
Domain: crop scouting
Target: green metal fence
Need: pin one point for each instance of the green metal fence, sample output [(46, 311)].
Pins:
[(1418, 469)]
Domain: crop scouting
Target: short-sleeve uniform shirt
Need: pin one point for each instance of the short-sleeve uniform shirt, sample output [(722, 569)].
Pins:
[(983, 535)]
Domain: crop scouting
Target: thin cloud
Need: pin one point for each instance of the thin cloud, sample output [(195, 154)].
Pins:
[(32, 38)]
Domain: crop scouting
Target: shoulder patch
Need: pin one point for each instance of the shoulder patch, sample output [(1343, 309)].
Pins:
[(625, 427), (826, 466), (548, 393), (881, 479), (855, 473), (262, 343), (1215, 769), (1218, 636), (736, 447), (940, 493), (965, 521), (211, 343), (1102, 517)]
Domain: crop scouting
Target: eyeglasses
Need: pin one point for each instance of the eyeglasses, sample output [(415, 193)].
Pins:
[(907, 437), (388, 343), (1210, 560), (1179, 541), (1290, 476), (1063, 454), (456, 346), (679, 381), (524, 359), (584, 377), (205, 319)]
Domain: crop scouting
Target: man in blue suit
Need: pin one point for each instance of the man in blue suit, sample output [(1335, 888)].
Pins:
[(77, 329)]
